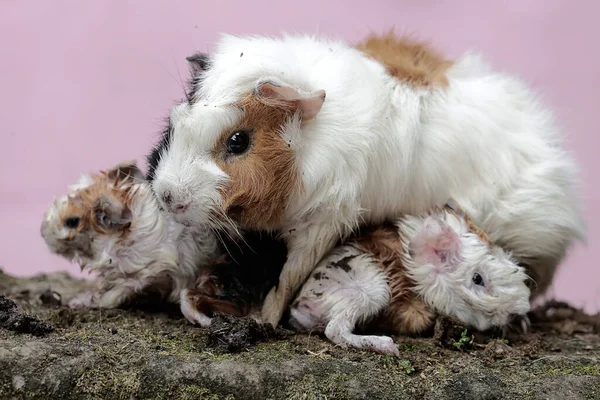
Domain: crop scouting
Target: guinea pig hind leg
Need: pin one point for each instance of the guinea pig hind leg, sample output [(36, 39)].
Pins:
[(84, 300), (362, 293), (339, 331)]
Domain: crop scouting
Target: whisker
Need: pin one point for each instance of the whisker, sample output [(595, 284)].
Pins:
[(231, 224), (529, 278), (218, 231)]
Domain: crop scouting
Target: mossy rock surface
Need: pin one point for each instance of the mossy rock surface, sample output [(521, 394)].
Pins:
[(141, 354)]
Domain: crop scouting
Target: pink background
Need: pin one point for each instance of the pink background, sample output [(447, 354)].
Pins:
[(85, 84)]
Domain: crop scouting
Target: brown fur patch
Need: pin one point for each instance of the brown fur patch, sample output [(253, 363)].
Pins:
[(407, 60), (410, 317), (75, 209), (406, 313), (209, 306), (473, 227), (84, 204), (263, 177)]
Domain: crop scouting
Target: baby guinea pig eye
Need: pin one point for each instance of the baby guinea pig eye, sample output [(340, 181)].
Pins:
[(238, 142), (478, 280), (101, 218), (72, 222)]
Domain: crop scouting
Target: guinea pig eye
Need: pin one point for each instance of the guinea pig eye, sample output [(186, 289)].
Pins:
[(72, 222), (238, 142), (478, 280)]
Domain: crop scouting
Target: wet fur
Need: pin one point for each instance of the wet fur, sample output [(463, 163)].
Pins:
[(125, 239), (379, 281)]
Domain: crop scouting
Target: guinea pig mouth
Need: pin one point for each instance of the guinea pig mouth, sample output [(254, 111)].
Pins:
[(184, 221)]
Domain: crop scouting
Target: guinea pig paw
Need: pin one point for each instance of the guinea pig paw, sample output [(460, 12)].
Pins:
[(383, 345), (518, 323), (84, 300), (194, 316), (272, 308), (525, 323)]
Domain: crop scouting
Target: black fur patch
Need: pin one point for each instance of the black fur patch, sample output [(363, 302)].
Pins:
[(199, 63), (344, 263), (251, 269), (153, 158)]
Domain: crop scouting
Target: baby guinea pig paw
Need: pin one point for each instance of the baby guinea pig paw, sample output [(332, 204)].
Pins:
[(190, 311), (381, 344), (517, 323), (83, 300)]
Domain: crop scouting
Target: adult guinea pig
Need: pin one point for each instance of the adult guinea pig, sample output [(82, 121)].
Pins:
[(110, 223), (311, 137), (397, 278)]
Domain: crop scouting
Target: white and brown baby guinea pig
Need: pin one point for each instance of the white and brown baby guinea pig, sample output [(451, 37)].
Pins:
[(397, 278), (111, 224)]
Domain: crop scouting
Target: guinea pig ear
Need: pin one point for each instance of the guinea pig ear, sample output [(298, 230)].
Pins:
[(110, 215), (437, 244), (309, 103), (198, 62), (124, 170)]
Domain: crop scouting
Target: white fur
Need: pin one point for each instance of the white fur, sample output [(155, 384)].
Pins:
[(335, 300), (156, 251), (451, 291), (380, 148)]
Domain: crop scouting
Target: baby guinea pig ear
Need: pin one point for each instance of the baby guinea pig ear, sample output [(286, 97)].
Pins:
[(124, 170), (111, 215), (309, 103), (437, 244)]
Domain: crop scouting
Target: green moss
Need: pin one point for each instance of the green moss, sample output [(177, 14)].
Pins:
[(171, 343), (390, 362), (575, 369), (409, 347), (194, 392), (313, 387), (108, 383)]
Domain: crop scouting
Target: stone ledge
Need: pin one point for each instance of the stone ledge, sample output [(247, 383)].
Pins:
[(123, 354)]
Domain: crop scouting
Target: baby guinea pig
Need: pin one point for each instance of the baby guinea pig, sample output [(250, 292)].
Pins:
[(238, 281), (396, 278), (111, 224)]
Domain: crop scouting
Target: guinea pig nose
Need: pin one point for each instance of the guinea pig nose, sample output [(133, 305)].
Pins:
[(180, 207), (167, 198)]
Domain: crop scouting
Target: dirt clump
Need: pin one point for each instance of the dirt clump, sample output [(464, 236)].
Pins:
[(13, 319), (228, 334)]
